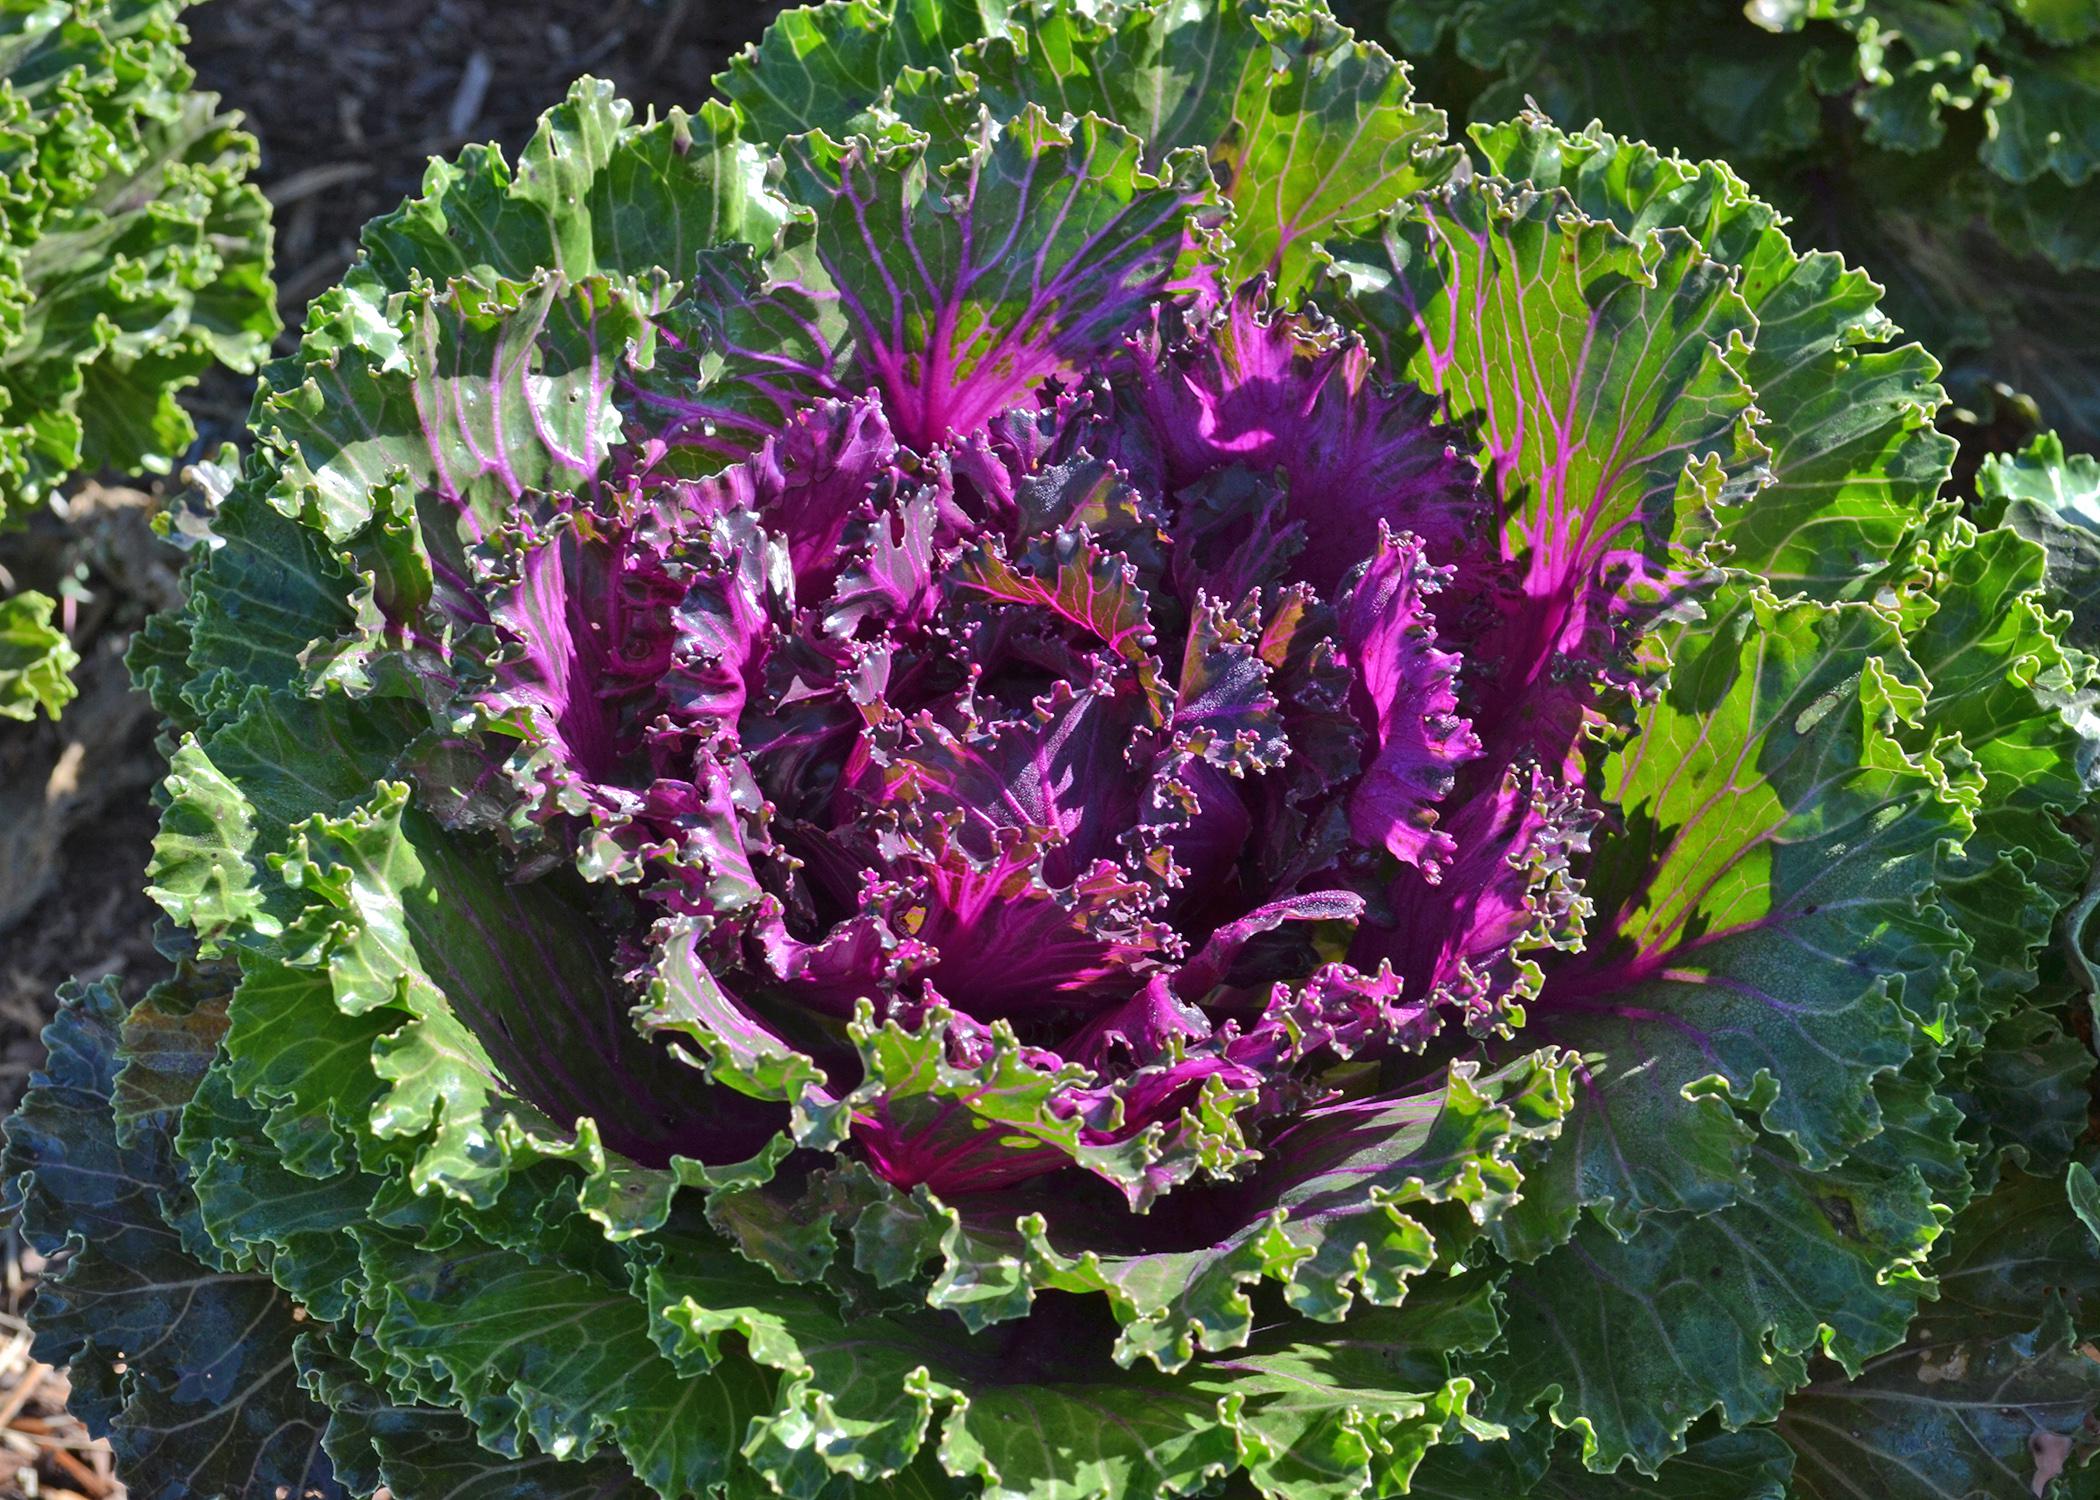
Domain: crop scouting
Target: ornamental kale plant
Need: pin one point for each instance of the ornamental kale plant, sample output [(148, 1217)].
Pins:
[(132, 256), (1948, 145), (133, 253), (1049, 760)]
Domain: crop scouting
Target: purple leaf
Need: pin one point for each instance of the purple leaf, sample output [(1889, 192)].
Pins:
[(1404, 691), (1276, 392)]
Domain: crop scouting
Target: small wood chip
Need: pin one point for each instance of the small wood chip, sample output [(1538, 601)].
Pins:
[(32, 1379), (315, 179), (474, 81)]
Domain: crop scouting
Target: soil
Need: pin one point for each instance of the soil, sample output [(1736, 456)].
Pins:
[(348, 99)]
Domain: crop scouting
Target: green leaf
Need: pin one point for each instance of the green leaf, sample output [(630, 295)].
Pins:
[(1308, 132), (218, 1408), (854, 1398), (417, 1450), (1992, 1394), (1634, 346), (1948, 153), (2049, 119), (258, 599), (407, 920), (2068, 484), (1629, 1341), (476, 391), (2018, 728), (2024, 1091), (1754, 1464), (1316, 1419), (548, 1353), (592, 193), (819, 67), (133, 255), (1319, 1418), (1349, 1213), (232, 795), (1854, 464), (2053, 498), (1770, 820), (958, 329), (475, 349), (2084, 1195), (36, 659)]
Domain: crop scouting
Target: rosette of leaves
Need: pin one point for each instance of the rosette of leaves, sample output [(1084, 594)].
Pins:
[(134, 254), (1034, 764), (1948, 145)]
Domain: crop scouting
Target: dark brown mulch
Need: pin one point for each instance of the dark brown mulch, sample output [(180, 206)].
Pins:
[(76, 822), (349, 99)]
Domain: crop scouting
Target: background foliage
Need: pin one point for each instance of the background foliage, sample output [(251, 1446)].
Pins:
[(1948, 146)]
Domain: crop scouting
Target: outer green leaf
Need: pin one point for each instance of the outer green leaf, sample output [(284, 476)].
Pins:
[(1970, 227), (1989, 647), (2053, 498), (2084, 1195), (1629, 1341), (545, 1352), (1320, 1419), (2049, 119), (2024, 1092), (819, 67), (1601, 373), (1770, 816), (1754, 1464), (217, 1409), (1349, 1212), (1854, 462), (232, 795), (957, 329), (525, 291), (473, 1058), (416, 1450), (1992, 1393), (593, 193), (1307, 131)]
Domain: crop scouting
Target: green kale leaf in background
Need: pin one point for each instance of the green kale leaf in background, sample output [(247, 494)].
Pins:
[(133, 253), (36, 659), (1947, 146)]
